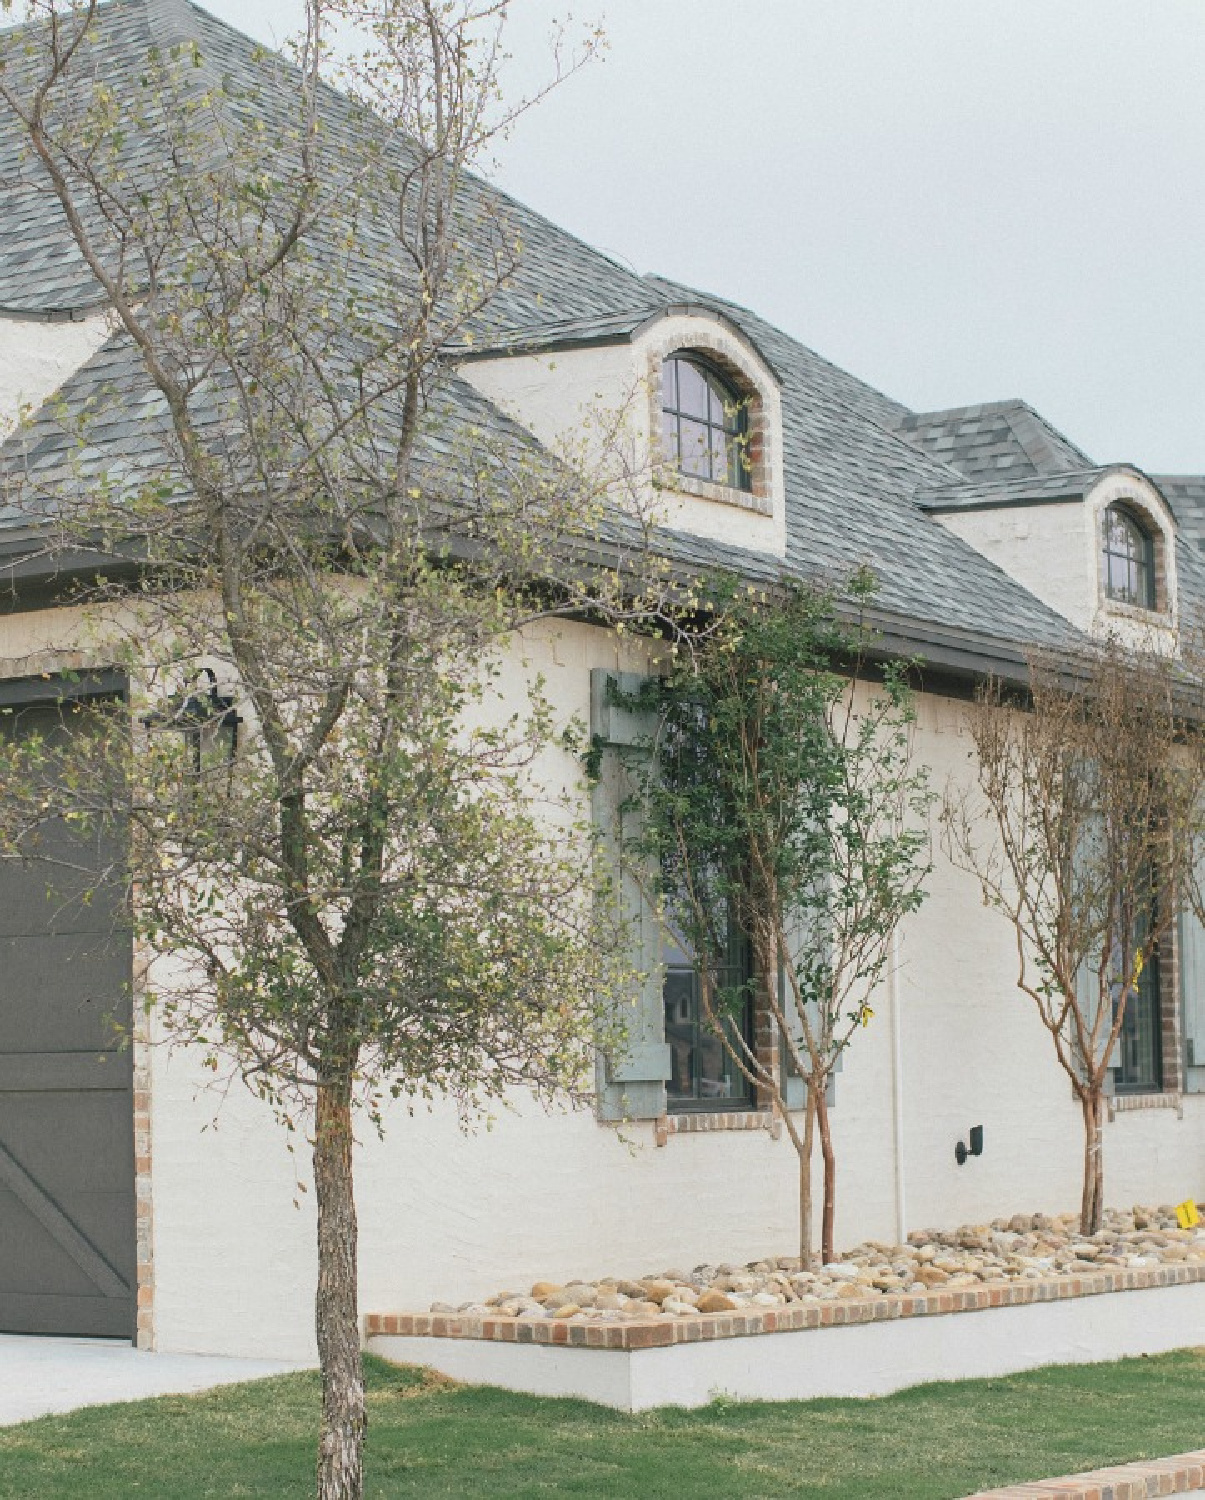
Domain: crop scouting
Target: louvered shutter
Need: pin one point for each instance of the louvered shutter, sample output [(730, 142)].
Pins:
[(1192, 993), (631, 1085), (1087, 980)]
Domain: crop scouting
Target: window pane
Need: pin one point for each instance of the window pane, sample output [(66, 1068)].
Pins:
[(696, 447), (669, 437), (715, 1080), (702, 1072), (1139, 1061), (693, 394), (669, 384), (720, 445), (681, 1015)]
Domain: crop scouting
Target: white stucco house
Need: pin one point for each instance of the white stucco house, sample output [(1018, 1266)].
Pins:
[(135, 1203)]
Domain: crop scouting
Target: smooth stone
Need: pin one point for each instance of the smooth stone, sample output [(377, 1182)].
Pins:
[(715, 1302)]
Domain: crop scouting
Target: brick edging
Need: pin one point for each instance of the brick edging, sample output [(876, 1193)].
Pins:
[(1161, 1476), (652, 1333)]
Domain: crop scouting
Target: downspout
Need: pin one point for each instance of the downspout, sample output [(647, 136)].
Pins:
[(897, 1089)]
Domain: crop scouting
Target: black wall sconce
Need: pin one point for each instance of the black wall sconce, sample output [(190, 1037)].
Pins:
[(975, 1148), (206, 717)]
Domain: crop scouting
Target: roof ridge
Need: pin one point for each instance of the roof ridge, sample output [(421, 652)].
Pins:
[(892, 433), (1026, 438), (752, 312)]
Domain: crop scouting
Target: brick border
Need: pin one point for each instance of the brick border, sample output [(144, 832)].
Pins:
[(1177, 1475), (710, 1122), (141, 1045), (663, 1332)]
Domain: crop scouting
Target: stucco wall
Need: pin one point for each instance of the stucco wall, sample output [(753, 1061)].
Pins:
[(1054, 550), (36, 357), (450, 1216), (445, 1215), (570, 398), (1048, 548)]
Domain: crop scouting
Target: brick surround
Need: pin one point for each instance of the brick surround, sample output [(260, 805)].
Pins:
[(654, 1333), (722, 349), (1181, 1474), (708, 1122), (143, 1208)]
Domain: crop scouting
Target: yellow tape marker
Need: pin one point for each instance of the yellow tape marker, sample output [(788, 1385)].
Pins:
[(1188, 1214)]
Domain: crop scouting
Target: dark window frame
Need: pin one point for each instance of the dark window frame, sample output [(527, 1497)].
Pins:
[(726, 423), (689, 1034), (1128, 553)]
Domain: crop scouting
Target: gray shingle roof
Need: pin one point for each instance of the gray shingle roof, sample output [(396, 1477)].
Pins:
[(855, 460), (1004, 439), (1185, 494), (1030, 490)]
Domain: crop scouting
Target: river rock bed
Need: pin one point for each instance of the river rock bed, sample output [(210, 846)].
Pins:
[(1025, 1247)]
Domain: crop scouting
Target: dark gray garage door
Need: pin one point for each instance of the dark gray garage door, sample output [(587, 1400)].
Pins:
[(67, 1227)]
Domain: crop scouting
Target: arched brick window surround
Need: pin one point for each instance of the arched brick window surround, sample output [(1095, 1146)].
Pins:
[(713, 345)]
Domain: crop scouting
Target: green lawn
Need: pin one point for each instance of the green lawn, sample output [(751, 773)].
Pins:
[(428, 1438)]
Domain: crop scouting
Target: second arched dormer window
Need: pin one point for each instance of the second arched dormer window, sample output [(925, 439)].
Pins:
[(704, 423), (1128, 560)]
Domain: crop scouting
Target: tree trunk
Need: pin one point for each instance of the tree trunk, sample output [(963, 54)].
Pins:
[(805, 1185), (1092, 1203), (830, 1177), (341, 1444)]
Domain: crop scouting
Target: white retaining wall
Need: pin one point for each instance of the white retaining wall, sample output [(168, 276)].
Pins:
[(868, 1359)]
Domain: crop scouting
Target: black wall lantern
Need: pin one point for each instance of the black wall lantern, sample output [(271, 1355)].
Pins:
[(206, 719), (975, 1148)]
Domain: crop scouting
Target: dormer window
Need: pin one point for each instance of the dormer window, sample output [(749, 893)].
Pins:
[(1128, 560), (705, 423)]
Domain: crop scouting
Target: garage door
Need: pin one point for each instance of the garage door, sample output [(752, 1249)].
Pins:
[(67, 1225)]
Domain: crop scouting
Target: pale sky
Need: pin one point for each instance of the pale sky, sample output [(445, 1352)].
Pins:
[(957, 200)]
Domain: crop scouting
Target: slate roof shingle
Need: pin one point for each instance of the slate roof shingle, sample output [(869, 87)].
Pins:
[(856, 460)]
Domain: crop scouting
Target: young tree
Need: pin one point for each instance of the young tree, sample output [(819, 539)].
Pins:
[(781, 801), (389, 889), (1082, 831)]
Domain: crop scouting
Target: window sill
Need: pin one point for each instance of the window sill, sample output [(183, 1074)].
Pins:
[(1139, 613), (1124, 1104), (720, 494), (710, 1122)]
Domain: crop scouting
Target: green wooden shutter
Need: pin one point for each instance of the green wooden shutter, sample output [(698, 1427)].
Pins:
[(1087, 980), (794, 1091), (1192, 996), (1087, 984), (631, 1085)]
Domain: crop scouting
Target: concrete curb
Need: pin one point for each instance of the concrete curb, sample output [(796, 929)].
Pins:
[(1182, 1474)]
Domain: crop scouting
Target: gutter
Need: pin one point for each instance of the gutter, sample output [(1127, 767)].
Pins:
[(51, 314)]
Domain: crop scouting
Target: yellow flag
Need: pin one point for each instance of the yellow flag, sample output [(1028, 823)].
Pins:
[(1188, 1214)]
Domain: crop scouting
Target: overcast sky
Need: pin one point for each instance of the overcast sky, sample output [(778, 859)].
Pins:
[(958, 200)]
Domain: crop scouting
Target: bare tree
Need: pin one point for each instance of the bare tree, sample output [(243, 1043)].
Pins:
[(1082, 831), (316, 528)]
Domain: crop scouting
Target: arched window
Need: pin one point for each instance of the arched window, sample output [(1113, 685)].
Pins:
[(1127, 560), (705, 423)]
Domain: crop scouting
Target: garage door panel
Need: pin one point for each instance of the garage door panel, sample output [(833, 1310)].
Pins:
[(83, 1317), (67, 1207), (69, 992), (36, 897), (32, 1129), (31, 1261), (65, 1072)]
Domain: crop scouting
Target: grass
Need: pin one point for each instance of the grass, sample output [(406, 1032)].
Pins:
[(429, 1437)]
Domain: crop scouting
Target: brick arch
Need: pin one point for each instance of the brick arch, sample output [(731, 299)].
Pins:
[(1144, 509), (714, 345)]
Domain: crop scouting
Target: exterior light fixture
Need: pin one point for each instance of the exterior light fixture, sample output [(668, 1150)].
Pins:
[(975, 1148), (208, 720)]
